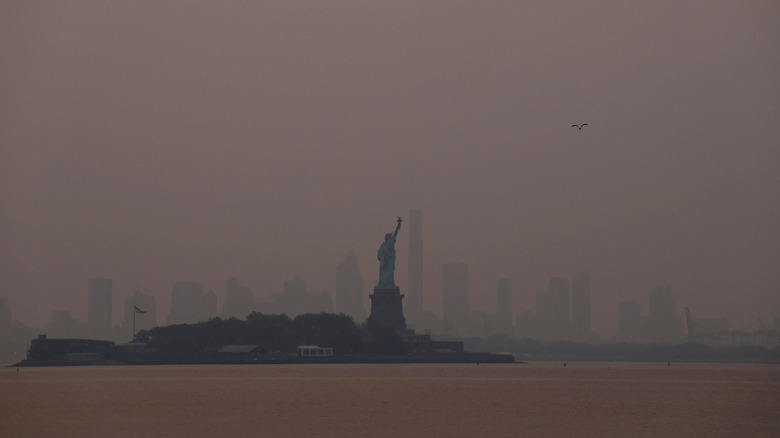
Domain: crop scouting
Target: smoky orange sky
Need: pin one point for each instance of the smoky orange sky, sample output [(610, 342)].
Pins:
[(154, 142)]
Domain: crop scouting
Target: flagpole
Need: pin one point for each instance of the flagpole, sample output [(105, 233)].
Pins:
[(136, 311)]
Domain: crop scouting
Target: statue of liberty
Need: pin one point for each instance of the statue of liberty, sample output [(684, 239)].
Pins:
[(386, 256)]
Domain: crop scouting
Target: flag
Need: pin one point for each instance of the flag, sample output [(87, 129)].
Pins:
[(137, 310)]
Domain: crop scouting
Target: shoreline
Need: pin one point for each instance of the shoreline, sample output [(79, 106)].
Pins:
[(453, 358)]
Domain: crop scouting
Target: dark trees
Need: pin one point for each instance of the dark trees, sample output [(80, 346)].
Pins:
[(329, 330), (278, 333)]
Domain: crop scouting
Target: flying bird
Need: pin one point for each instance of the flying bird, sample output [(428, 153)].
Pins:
[(579, 126)]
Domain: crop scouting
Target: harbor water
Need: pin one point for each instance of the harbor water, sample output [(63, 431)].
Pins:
[(580, 399)]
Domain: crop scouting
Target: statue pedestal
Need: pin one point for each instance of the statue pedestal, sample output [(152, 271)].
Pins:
[(387, 309)]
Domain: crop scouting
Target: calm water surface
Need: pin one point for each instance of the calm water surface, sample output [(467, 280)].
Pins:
[(522, 400)]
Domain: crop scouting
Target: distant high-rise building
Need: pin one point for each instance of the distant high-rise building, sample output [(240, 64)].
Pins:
[(296, 299), (99, 306), (661, 303), (455, 299), (414, 295), (504, 306), (543, 321), (664, 326), (190, 304), (59, 317), (580, 306), (62, 325), (349, 288), (629, 320), (558, 288), (526, 325), (543, 305), (455, 296), (295, 288), (143, 321), (239, 301), (5, 314), (552, 310), (210, 304)]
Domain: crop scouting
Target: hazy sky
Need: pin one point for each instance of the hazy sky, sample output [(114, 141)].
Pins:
[(155, 142)]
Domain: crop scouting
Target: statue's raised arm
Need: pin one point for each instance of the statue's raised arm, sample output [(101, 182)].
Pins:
[(398, 227), (386, 256)]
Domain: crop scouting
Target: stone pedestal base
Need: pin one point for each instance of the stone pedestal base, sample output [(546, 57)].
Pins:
[(387, 309)]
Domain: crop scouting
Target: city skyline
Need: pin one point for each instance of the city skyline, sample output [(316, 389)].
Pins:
[(158, 144), (555, 310), (556, 327), (269, 299)]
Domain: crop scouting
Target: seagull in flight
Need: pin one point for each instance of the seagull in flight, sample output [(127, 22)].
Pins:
[(579, 126)]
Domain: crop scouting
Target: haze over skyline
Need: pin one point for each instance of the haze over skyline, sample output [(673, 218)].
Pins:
[(153, 142)]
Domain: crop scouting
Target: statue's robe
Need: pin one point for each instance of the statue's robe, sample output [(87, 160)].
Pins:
[(386, 256)]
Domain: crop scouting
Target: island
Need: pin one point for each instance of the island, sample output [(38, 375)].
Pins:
[(260, 338)]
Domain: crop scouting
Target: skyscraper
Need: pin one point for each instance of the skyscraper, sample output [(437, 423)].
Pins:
[(99, 306), (661, 303), (415, 289), (558, 288), (542, 327), (504, 306), (552, 310), (455, 296), (349, 288), (663, 325), (239, 301), (189, 303), (296, 299), (62, 325), (580, 306)]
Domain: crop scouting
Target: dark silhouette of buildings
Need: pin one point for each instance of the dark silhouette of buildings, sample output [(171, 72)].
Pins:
[(414, 304), (295, 299), (542, 323), (239, 300), (416, 315), (190, 304), (558, 290), (99, 307), (298, 300), (14, 336), (580, 306), (349, 288), (661, 303), (707, 330), (664, 325), (455, 297), (715, 332), (552, 310), (62, 325), (504, 307), (629, 321), (68, 351), (560, 315), (661, 326), (526, 325), (143, 321)]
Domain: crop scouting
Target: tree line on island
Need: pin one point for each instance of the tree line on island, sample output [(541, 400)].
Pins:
[(277, 333)]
